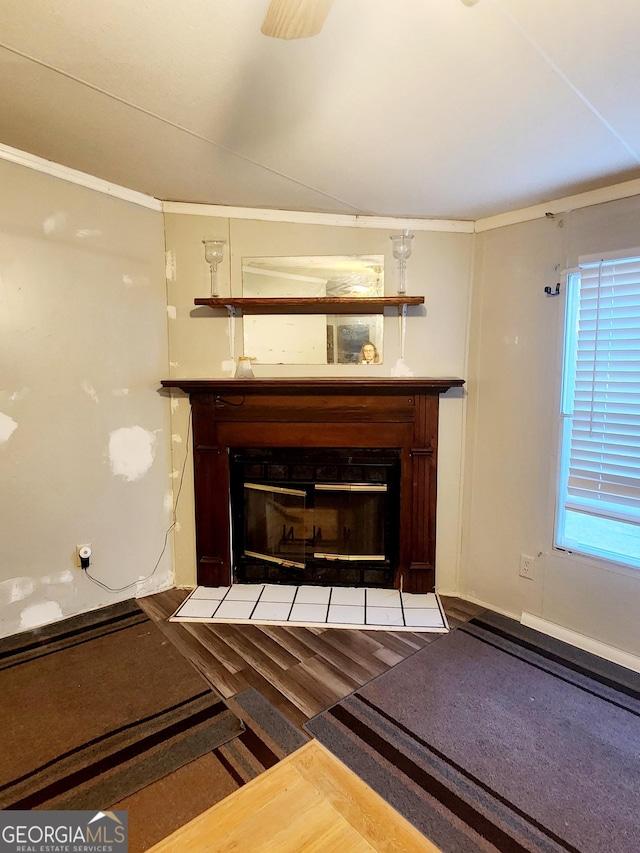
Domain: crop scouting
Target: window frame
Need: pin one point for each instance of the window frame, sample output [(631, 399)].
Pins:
[(568, 359)]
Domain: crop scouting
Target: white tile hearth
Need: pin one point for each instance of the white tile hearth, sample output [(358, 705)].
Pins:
[(314, 606), (232, 610), (421, 617), (313, 595), (271, 611), (390, 617), (348, 595), (346, 614), (276, 592), (308, 614), (243, 592)]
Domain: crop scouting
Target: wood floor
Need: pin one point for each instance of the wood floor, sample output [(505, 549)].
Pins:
[(309, 801), (301, 671)]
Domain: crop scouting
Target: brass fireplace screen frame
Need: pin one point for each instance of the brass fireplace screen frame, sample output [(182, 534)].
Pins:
[(303, 515), (309, 519)]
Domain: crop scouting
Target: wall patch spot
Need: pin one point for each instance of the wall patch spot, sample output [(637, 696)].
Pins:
[(58, 577), (55, 222), (40, 614), (7, 427), (88, 232), (120, 392), (401, 369), (16, 589), (172, 312), (176, 439), (88, 389), (175, 403), (131, 452), (135, 281), (170, 266), (19, 395)]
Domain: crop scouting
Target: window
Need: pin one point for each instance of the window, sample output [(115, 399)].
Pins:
[(599, 494)]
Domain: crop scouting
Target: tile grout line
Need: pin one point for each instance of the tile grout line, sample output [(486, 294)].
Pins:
[(326, 618), (220, 602), (443, 615), (253, 609), (295, 595), (404, 619)]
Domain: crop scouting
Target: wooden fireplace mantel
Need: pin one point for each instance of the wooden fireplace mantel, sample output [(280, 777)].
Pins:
[(319, 385), (367, 412)]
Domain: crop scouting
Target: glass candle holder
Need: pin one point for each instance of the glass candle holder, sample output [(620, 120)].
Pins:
[(213, 254), (401, 251)]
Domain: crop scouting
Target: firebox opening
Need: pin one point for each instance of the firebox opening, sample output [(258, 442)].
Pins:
[(307, 515)]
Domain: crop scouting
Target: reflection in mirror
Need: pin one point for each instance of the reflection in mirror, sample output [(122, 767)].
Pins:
[(314, 338)]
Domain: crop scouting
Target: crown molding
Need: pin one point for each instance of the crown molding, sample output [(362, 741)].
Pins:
[(345, 220), (615, 192), (72, 176)]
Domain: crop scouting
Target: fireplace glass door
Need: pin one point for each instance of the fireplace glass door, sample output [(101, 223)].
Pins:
[(349, 522), (326, 516), (277, 526)]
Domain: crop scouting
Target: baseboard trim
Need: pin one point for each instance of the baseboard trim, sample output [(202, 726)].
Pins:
[(473, 600), (587, 644), (551, 629)]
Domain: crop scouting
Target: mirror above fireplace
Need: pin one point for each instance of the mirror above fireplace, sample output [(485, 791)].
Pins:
[(314, 338)]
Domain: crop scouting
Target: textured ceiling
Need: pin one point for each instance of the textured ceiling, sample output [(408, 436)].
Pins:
[(422, 108)]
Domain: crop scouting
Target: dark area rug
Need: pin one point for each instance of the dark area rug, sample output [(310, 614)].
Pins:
[(162, 807), (159, 809), (498, 738), (97, 707), (268, 737)]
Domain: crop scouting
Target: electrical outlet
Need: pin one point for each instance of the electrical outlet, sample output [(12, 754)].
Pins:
[(83, 555), (526, 566)]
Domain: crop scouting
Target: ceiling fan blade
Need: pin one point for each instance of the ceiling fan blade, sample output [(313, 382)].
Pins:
[(295, 19)]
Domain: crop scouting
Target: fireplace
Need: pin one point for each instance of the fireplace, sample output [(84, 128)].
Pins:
[(346, 470), (315, 515)]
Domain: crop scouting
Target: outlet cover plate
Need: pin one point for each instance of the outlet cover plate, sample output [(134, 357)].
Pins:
[(526, 566)]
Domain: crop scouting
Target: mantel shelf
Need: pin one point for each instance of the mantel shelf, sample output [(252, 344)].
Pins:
[(366, 386), (310, 304)]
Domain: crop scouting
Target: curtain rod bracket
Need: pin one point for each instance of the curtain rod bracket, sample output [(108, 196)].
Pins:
[(551, 292)]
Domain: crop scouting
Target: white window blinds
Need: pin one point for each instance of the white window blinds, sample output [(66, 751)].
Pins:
[(601, 397)]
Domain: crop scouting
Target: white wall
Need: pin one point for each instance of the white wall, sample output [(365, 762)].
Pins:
[(439, 269), (510, 468), (84, 434)]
